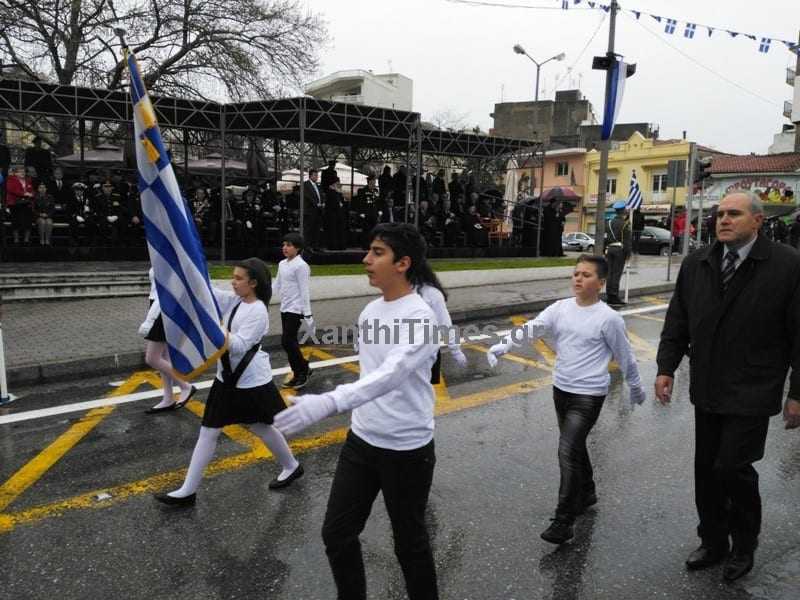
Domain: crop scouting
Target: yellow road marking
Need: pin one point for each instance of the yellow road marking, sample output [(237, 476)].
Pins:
[(237, 433), (642, 345), (44, 461), (322, 355), (445, 405), (649, 318), (512, 357), (652, 299)]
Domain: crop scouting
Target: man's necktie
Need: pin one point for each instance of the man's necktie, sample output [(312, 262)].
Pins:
[(729, 268)]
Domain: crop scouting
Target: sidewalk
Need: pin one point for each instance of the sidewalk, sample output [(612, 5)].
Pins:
[(79, 338)]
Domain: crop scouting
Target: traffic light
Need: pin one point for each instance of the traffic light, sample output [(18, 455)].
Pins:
[(702, 168)]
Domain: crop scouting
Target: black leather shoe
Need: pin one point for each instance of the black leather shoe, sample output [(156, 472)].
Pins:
[(182, 403), (173, 501), (738, 565), (154, 411), (587, 501), (706, 556), (275, 484), (560, 531)]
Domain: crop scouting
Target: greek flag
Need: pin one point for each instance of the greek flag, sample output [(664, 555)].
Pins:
[(634, 195), (195, 337), (619, 72)]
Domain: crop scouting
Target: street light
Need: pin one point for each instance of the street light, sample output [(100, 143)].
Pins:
[(520, 50)]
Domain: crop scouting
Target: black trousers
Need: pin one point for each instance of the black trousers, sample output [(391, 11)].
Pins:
[(404, 478), (726, 484), (616, 265), (576, 414), (290, 323)]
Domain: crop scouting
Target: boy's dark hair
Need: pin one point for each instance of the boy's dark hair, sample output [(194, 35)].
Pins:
[(312, 170), (295, 239), (600, 264), (406, 240), (257, 269)]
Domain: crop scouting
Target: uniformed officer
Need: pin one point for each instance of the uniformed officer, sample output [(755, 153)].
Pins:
[(618, 249), (366, 209)]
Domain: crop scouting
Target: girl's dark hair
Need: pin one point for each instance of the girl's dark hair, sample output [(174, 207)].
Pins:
[(295, 239), (600, 264), (257, 269), (406, 240)]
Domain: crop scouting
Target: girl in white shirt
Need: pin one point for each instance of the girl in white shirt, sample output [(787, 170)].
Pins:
[(389, 447), (243, 390), (587, 333)]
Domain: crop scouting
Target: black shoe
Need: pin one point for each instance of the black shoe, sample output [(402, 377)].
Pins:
[(302, 380), (154, 411), (706, 556), (182, 403), (587, 501), (296, 474), (560, 531), (173, 501), (738, 565), (291, 383)]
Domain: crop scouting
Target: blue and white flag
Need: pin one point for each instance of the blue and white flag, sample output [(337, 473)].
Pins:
[(634, 195), (619, 72), (195, 336)]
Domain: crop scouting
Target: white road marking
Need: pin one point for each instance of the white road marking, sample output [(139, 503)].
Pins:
[(201, 385)]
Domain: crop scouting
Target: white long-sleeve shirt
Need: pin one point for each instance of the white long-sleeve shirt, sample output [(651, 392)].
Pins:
[(393, 400), (435, 299), (250, 324), (586, 338), (293, 284)]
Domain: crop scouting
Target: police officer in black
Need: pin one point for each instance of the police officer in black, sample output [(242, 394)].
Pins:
[(618, 249)]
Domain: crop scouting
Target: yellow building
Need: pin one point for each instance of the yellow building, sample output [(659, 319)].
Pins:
[(649, 158)]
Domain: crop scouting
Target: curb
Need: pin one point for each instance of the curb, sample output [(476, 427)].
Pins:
[(70, 370)]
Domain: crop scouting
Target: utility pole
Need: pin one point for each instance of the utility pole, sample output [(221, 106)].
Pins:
[(797, 108), (600, 212)]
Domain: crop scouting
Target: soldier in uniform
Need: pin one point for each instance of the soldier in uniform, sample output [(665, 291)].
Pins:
[(110, 212), (618, 249), (82, 222), (366, 209)]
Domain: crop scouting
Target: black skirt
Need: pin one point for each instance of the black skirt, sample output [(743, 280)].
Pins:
[(156, 333), (242, 405), (436, 369)]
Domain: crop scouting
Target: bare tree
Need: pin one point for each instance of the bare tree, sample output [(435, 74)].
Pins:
[(202, 49), (447, 119)]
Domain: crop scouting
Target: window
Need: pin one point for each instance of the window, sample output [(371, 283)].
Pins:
[(562, 169), (611, 185), (659, 182)]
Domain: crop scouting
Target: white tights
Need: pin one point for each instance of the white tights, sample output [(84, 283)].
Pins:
[(156, 355), (207, 444)]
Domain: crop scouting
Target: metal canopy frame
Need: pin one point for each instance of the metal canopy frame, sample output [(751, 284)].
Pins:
[(371, 133)]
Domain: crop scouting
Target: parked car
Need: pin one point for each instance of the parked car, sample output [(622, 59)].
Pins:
[(577, 240), (655, 240)]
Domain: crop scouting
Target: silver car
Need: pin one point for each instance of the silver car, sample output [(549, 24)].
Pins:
[(578, 241)]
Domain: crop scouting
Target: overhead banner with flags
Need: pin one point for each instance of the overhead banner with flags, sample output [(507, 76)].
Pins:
[(192, 324), (619, 73), (634, 195)]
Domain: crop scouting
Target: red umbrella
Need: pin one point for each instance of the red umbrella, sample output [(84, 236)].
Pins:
[(560, 193)]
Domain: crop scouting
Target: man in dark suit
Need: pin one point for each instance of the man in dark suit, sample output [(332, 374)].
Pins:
[(736, 311), (312, 210)]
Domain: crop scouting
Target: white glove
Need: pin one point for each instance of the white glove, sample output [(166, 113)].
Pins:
[(79, 219), (144, 329), (497, 350), (638, 394), (248, 224), (459, 357), (305, 411), (309, 321), (112, 219)]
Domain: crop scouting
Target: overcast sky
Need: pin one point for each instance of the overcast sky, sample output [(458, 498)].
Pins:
[(460, 58)]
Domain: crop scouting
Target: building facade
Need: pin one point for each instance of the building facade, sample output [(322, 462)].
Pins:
[(544, 119), (385, 90), (771, 176), (648, 157)]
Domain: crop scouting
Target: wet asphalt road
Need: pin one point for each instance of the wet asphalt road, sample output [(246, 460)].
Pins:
[(494, 491)]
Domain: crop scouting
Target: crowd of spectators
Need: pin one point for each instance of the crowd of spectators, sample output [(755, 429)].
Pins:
[(44, 204)]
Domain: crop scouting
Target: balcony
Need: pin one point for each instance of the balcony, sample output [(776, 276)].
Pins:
[(787, 109), (349, 98), (790, 76)]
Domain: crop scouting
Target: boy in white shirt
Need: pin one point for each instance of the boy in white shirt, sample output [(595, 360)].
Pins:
[(389, 447), (587, 333), (293, 284)]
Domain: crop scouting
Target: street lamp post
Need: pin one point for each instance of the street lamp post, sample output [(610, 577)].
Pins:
[(520, 50)]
